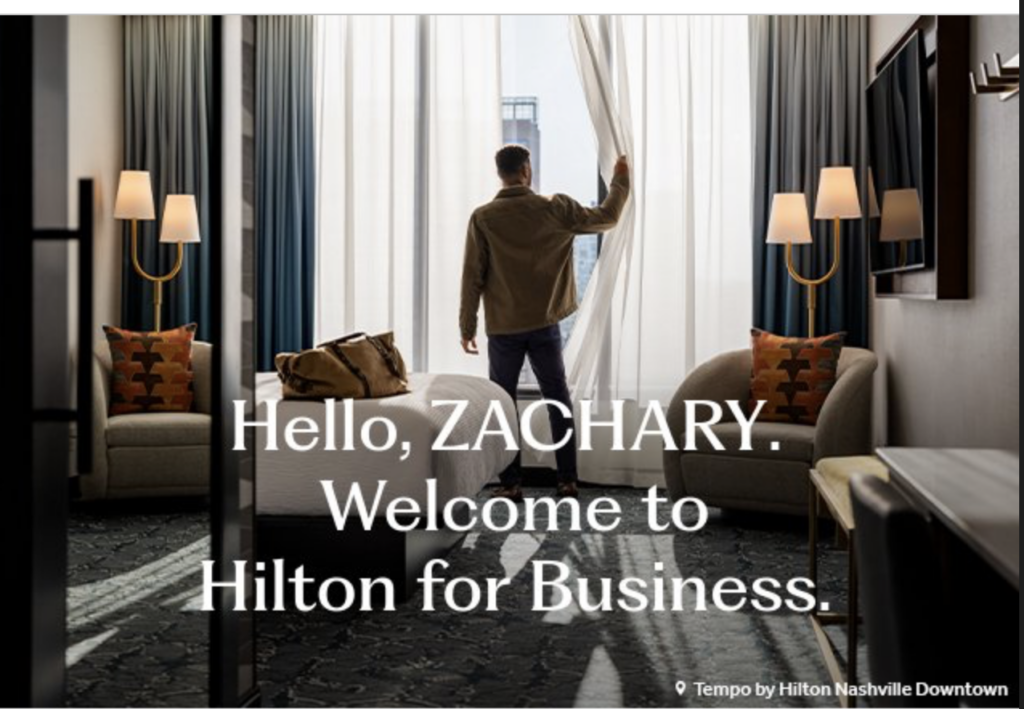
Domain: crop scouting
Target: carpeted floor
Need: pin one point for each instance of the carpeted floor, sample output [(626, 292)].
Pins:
[(138, 641), (135, 636)]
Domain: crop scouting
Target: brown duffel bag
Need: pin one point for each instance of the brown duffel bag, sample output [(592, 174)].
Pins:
[(358, 366)]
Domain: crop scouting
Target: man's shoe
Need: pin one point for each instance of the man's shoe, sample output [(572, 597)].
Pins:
[(514, 493), (568, 490)]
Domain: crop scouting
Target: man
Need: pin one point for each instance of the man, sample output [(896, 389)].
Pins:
[(519, 260)]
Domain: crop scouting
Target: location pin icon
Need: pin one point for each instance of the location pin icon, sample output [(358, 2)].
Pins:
[(681, 688)]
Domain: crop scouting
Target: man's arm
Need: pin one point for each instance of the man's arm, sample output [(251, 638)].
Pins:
[(474, 277), (590, 220)]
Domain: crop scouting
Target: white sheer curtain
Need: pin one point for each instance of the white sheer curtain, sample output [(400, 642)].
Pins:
[(673, 284), (365, 96), (368, 104), (465, 131)]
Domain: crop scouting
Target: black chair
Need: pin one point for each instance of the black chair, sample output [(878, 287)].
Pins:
[(901, 591)]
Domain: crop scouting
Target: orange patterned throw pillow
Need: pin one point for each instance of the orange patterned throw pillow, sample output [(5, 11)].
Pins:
[(794, 376), (152, 371)]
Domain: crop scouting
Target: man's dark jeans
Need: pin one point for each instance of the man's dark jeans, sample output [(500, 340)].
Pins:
[(508, 354)]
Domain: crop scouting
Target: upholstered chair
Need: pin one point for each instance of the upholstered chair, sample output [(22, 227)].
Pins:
[(767, 480), (152, 454)]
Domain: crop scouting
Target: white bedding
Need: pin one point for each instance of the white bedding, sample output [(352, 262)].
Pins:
[(288, 482)]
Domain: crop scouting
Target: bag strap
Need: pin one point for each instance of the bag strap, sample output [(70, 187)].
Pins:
[(287, 376), (335, 349), (388, 356)]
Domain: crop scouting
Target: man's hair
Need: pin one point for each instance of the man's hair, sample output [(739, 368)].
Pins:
[(511, 159)]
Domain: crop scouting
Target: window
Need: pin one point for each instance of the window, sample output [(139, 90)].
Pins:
[(543, 109)]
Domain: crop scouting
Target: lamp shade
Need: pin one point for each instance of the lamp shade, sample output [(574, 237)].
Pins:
[(134, 196), (902, 216), (790, 222), (838, 197), (181, 220)]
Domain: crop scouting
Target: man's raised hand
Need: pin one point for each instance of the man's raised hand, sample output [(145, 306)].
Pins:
[(622, 166)]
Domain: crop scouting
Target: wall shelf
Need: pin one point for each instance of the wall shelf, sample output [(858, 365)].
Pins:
[(1002, 79)]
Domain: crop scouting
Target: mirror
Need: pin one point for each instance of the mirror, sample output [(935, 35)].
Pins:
[(898, 192)]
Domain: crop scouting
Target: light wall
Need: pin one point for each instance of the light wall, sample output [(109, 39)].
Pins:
[(95, 145), (951, 371)]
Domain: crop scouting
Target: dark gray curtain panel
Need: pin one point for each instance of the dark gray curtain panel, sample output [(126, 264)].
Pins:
[(808, 78), (168, 96), (285, 186)]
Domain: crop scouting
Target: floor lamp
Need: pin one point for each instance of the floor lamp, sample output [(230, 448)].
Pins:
[(180, 226), (838, 200)]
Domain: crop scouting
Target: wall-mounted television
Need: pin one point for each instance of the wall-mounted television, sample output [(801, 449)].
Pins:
[(901, 176)]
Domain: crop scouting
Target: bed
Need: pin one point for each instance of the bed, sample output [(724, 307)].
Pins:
[(293, 519)]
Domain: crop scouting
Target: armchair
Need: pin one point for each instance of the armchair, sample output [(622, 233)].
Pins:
[(767, 480), (155, 454)]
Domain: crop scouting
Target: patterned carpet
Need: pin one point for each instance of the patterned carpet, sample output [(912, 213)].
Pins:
[(137, 640), (135, 637)]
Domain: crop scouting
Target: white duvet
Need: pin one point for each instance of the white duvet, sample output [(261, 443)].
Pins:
[(288, 482)]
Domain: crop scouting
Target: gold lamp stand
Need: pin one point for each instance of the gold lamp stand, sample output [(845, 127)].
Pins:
[(813, 284), (838, 199), (180, 226), (157, 281)]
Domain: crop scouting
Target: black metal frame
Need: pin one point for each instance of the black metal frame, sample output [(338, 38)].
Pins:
[(16, 130), (34, 583), (81, 416), (34, 524)]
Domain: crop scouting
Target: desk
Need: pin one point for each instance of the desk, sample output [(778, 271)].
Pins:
[(973, 493)]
